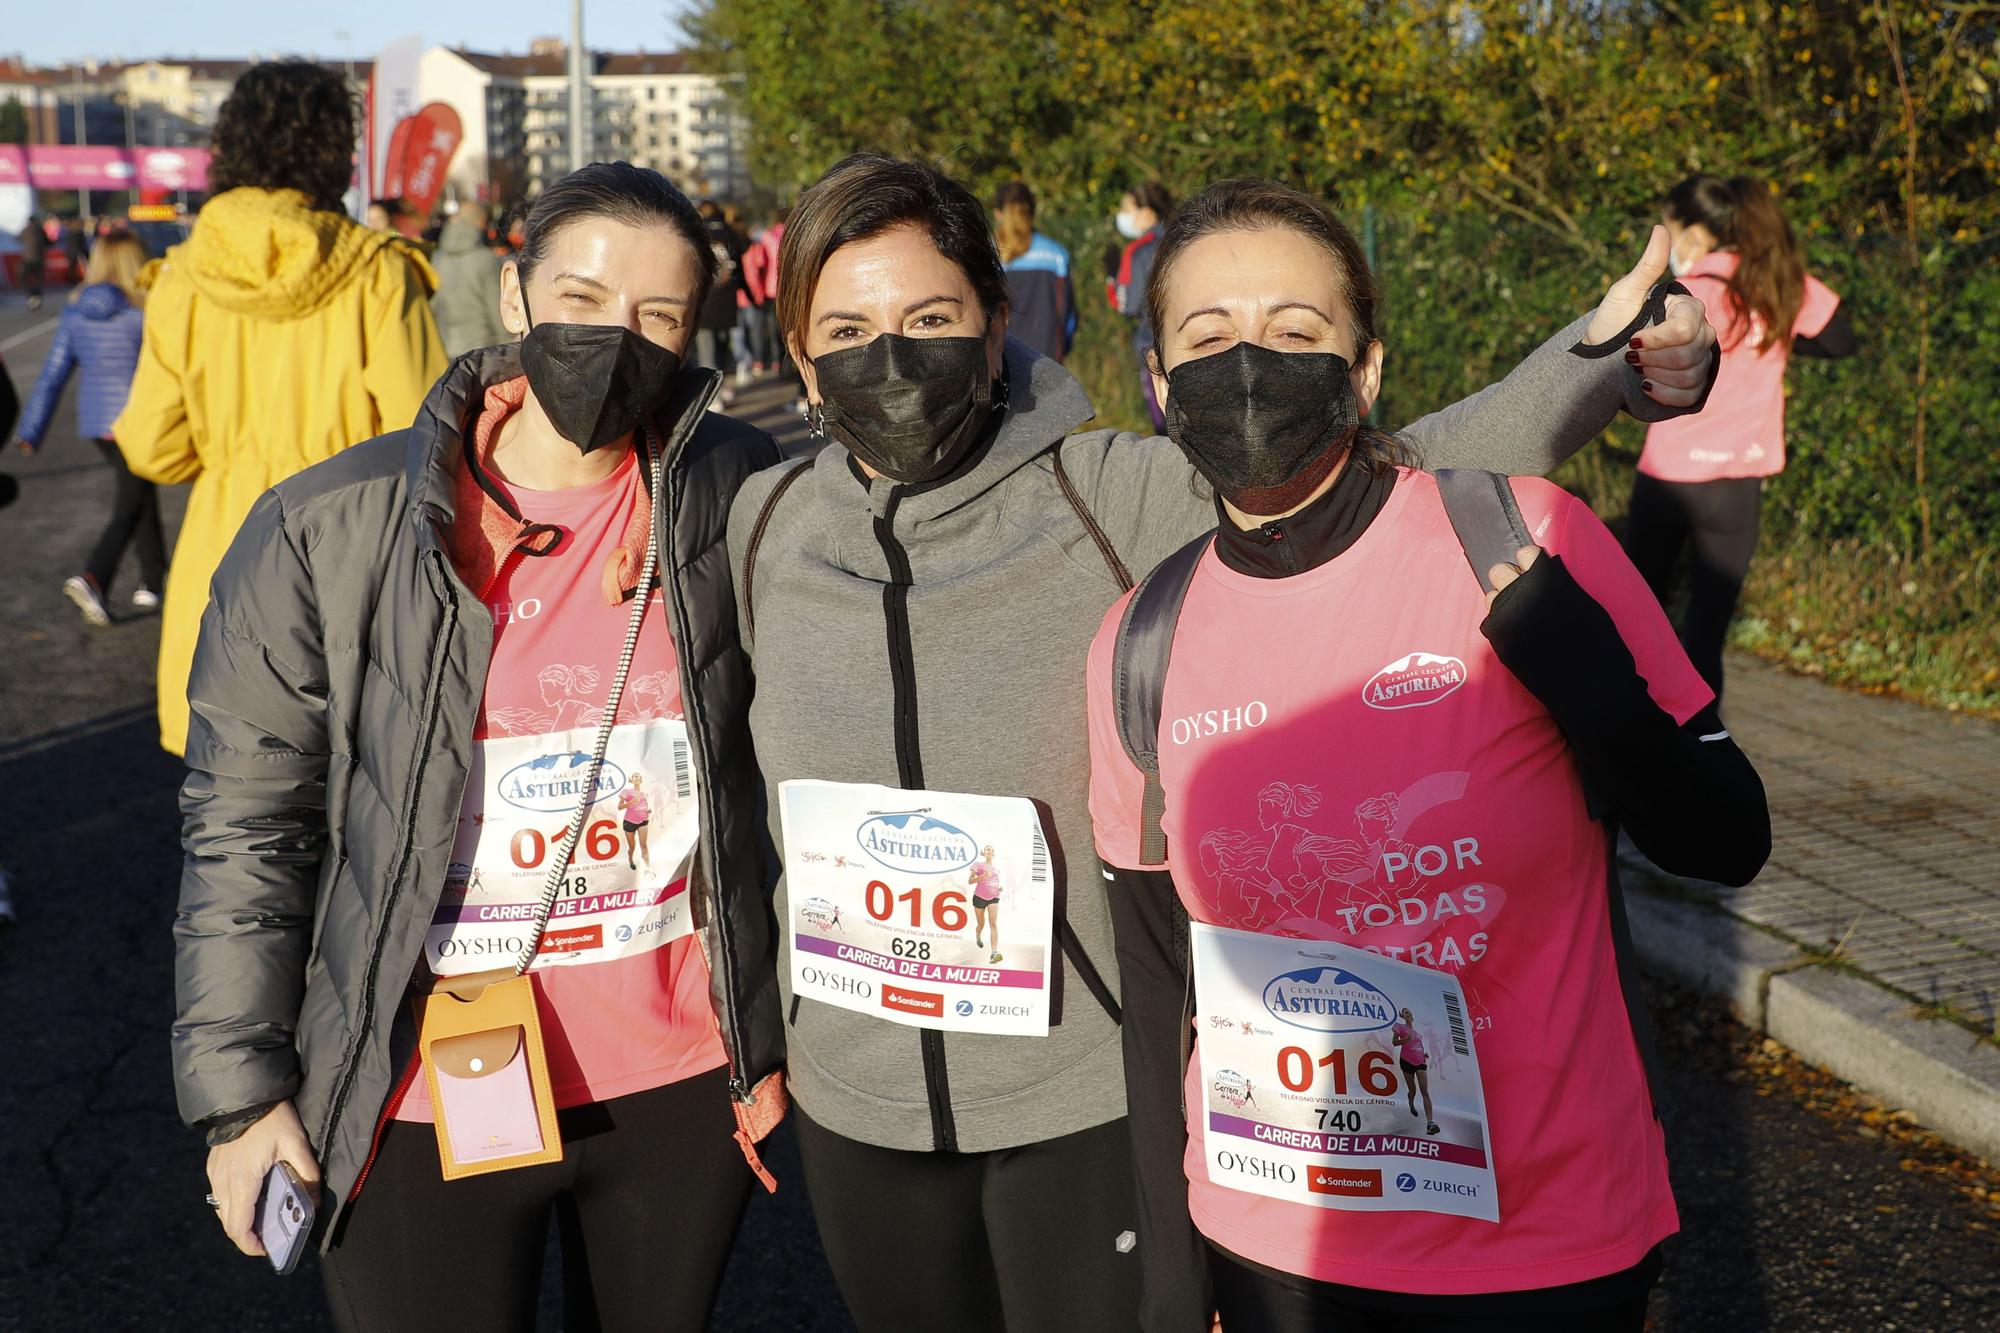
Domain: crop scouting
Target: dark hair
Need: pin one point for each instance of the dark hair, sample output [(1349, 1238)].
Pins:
[(635, 196), (287, 125), (1258, 205), (1770, 277), (392, 204), (865, 195), (1153, 195)]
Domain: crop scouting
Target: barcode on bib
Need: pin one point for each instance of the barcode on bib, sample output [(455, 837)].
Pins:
[(1040, 873), (683, 770), (1454, 1014)]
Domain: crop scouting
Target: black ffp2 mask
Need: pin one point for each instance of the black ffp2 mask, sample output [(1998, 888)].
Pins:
[(596, 382), (911, 408), (1263, 427)]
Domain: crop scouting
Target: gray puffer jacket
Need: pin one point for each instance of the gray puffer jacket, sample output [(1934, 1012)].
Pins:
[(334, 693)]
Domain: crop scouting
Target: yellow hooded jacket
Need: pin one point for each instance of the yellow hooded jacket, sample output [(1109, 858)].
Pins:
[(276, 335)]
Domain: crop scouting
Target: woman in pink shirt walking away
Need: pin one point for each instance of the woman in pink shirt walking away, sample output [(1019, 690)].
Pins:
[(1701, 478)]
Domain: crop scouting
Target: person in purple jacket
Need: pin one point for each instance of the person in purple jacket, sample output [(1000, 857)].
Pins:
[(99, 333)]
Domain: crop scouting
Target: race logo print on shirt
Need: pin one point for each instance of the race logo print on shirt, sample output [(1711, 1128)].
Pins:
[(1336, 1077), (931, 909)]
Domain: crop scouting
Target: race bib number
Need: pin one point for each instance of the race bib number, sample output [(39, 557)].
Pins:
[(925, 908), (1339, 1078), (626, 888)]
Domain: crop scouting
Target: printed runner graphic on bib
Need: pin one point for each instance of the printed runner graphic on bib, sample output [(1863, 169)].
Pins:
[(1304, 1094), (626, 888), (881, 884)]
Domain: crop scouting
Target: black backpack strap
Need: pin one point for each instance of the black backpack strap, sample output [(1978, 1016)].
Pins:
[(1139, 681), (757, 539), (1483, 513), (1090, 524), (1488, 522)]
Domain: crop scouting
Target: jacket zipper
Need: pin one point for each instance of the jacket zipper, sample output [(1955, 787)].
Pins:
[(735, 1041), (433, 705), (910, 774)]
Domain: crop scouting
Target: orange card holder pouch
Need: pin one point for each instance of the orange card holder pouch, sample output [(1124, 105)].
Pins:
[(481, 1045)]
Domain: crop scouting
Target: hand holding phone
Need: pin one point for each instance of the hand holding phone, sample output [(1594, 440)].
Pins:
[(237, 1171), (285, 1213)]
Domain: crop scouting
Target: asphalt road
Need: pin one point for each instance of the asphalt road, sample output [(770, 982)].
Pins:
[(1802, 1207)]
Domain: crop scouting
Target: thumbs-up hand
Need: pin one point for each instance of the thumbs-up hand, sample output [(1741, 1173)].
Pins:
[(1672, 355)]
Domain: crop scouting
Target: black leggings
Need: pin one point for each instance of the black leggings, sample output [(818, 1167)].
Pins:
[(1253, 1299), (1035, 1237), (1721, 519), (135, 518), (648, 1197)]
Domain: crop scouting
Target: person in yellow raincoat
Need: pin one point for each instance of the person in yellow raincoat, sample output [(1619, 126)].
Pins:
[(280, 333)]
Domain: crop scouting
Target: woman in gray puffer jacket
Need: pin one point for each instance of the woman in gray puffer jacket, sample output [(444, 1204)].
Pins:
[(408, 675)]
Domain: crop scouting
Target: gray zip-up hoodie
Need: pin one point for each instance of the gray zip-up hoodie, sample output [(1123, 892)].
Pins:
[(936, 637)]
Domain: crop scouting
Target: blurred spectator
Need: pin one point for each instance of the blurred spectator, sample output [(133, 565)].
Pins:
[(385, 214), (1701, 478), (718, 314), (76, 248), (1142, 211), (1041, 292), (100, 335), (34, 257), (281, 332), (760, 271), (467, 303)]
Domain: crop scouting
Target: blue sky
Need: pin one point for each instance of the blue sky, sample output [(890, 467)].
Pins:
[(49, 33)]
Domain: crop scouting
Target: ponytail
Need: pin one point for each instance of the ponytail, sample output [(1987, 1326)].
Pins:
[(1013, 220), (1770, 278)]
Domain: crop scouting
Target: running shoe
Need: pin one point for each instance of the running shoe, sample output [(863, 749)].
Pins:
[(145, 599), (995, 958), (1431, 1128), (89, 598)]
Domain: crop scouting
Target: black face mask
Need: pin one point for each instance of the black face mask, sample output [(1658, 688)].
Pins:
[(1264, 427), (911, 408), (597, 382)]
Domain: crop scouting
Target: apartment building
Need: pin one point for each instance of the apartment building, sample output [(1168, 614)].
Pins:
[(648, 108)]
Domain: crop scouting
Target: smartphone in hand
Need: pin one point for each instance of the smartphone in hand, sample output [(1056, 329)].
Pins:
[(285, 1213)]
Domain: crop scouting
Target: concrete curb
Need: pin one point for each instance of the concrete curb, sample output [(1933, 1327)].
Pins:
[(1852, 1027)]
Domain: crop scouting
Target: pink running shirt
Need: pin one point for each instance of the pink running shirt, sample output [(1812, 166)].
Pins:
[(634, 806), (1344, 758), (643, 1021), (985, 880), (1740, 432)]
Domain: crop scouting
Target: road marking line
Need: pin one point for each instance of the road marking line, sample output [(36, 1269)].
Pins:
[(29, 335)]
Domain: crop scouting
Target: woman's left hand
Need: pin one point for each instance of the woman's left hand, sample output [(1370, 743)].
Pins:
[(1500, 576), (1673, 354)]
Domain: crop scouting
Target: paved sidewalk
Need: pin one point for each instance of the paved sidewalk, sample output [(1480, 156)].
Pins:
[(1885, 820)]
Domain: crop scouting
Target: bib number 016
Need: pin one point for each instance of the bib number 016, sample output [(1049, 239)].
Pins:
[(1375, 1071), (947, 906)]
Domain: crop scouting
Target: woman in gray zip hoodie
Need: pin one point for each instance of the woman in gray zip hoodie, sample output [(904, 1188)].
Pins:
[(918, 600)]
